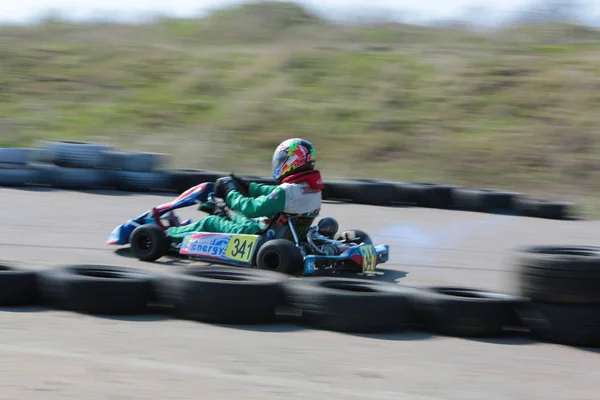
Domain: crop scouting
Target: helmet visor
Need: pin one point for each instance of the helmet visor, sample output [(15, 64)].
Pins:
[(278, 161)]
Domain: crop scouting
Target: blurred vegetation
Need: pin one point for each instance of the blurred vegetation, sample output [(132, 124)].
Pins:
[(517, 108)]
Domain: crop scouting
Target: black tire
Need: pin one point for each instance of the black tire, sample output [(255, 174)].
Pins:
[(465, 312), (264, 180), (225, 295), (361, 191), (328, 192), (144, 162), (541, 208), (343, 190), (280, 255), (134, 162), (149, 243), (72, 154), (112, 160), (13, 157), (180, 180), (351, 305), (78, 178), (18, 286), (429, 195), (41, 175), (18, 177), (560, 274), (563, 324), (130, 181), (483, 200), (400, 194), (373, 192), (97, 289)]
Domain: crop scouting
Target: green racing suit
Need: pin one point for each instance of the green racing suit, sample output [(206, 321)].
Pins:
[(264, 202)]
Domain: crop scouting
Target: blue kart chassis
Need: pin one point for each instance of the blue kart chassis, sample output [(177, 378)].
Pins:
[(364, 256)]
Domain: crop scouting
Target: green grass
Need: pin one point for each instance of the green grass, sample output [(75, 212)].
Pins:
[(516, 109)]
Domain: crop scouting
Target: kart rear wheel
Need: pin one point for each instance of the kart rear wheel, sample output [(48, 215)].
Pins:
[(280, 255), (149, 243)]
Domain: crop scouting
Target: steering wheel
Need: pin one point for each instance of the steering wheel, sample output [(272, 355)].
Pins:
[(214, 206)]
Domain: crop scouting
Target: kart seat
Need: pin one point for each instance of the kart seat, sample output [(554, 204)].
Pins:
[(282, 230)]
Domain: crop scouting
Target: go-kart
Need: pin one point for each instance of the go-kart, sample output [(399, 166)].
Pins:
[(290, 243)]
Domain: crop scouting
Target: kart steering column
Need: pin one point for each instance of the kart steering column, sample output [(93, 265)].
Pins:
[(157, 218), (312, 244)]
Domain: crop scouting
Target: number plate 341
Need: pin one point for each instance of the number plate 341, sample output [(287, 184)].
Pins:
[(241, 248)]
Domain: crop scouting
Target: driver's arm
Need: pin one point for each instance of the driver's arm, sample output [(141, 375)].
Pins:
[(260, 189), (260, 206)]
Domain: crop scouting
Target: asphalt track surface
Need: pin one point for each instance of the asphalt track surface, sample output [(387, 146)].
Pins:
[(46, 354)]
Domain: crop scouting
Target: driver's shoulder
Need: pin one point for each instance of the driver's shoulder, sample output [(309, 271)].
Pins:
[(299, 192), (290, 188)]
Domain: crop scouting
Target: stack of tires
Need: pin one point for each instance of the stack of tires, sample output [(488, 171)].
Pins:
[(442, 196), (364, 306), (72, 165), (229, 295), (84, 166), (14, 167), (209, 294), (563, 283), (137, 172), (18, 286), (386, 193)]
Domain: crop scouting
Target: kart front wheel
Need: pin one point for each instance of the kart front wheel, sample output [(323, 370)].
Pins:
[(149, 243), (280, 255)]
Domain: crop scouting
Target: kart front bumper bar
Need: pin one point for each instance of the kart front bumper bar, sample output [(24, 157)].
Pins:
[(313, 262)]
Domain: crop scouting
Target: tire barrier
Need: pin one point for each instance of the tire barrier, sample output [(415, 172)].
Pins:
[(11, 157), (429, 195), (19, 177), (465, 312), (83, 166), (543, 208), (133, 162), (73, 154), (14, 167), (484, 200), (181, 180), (569, 325), (351, 305), (563, 283), (76, 178), (225, 295), (97, 289), (134, 181), (18, 286), (241, 296)]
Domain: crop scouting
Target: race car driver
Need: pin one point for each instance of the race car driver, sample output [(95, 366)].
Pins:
[(298, 191)]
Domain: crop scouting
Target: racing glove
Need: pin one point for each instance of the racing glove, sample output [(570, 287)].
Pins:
[(220, 189), (223, 186), (243, 184), (207, 208)]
